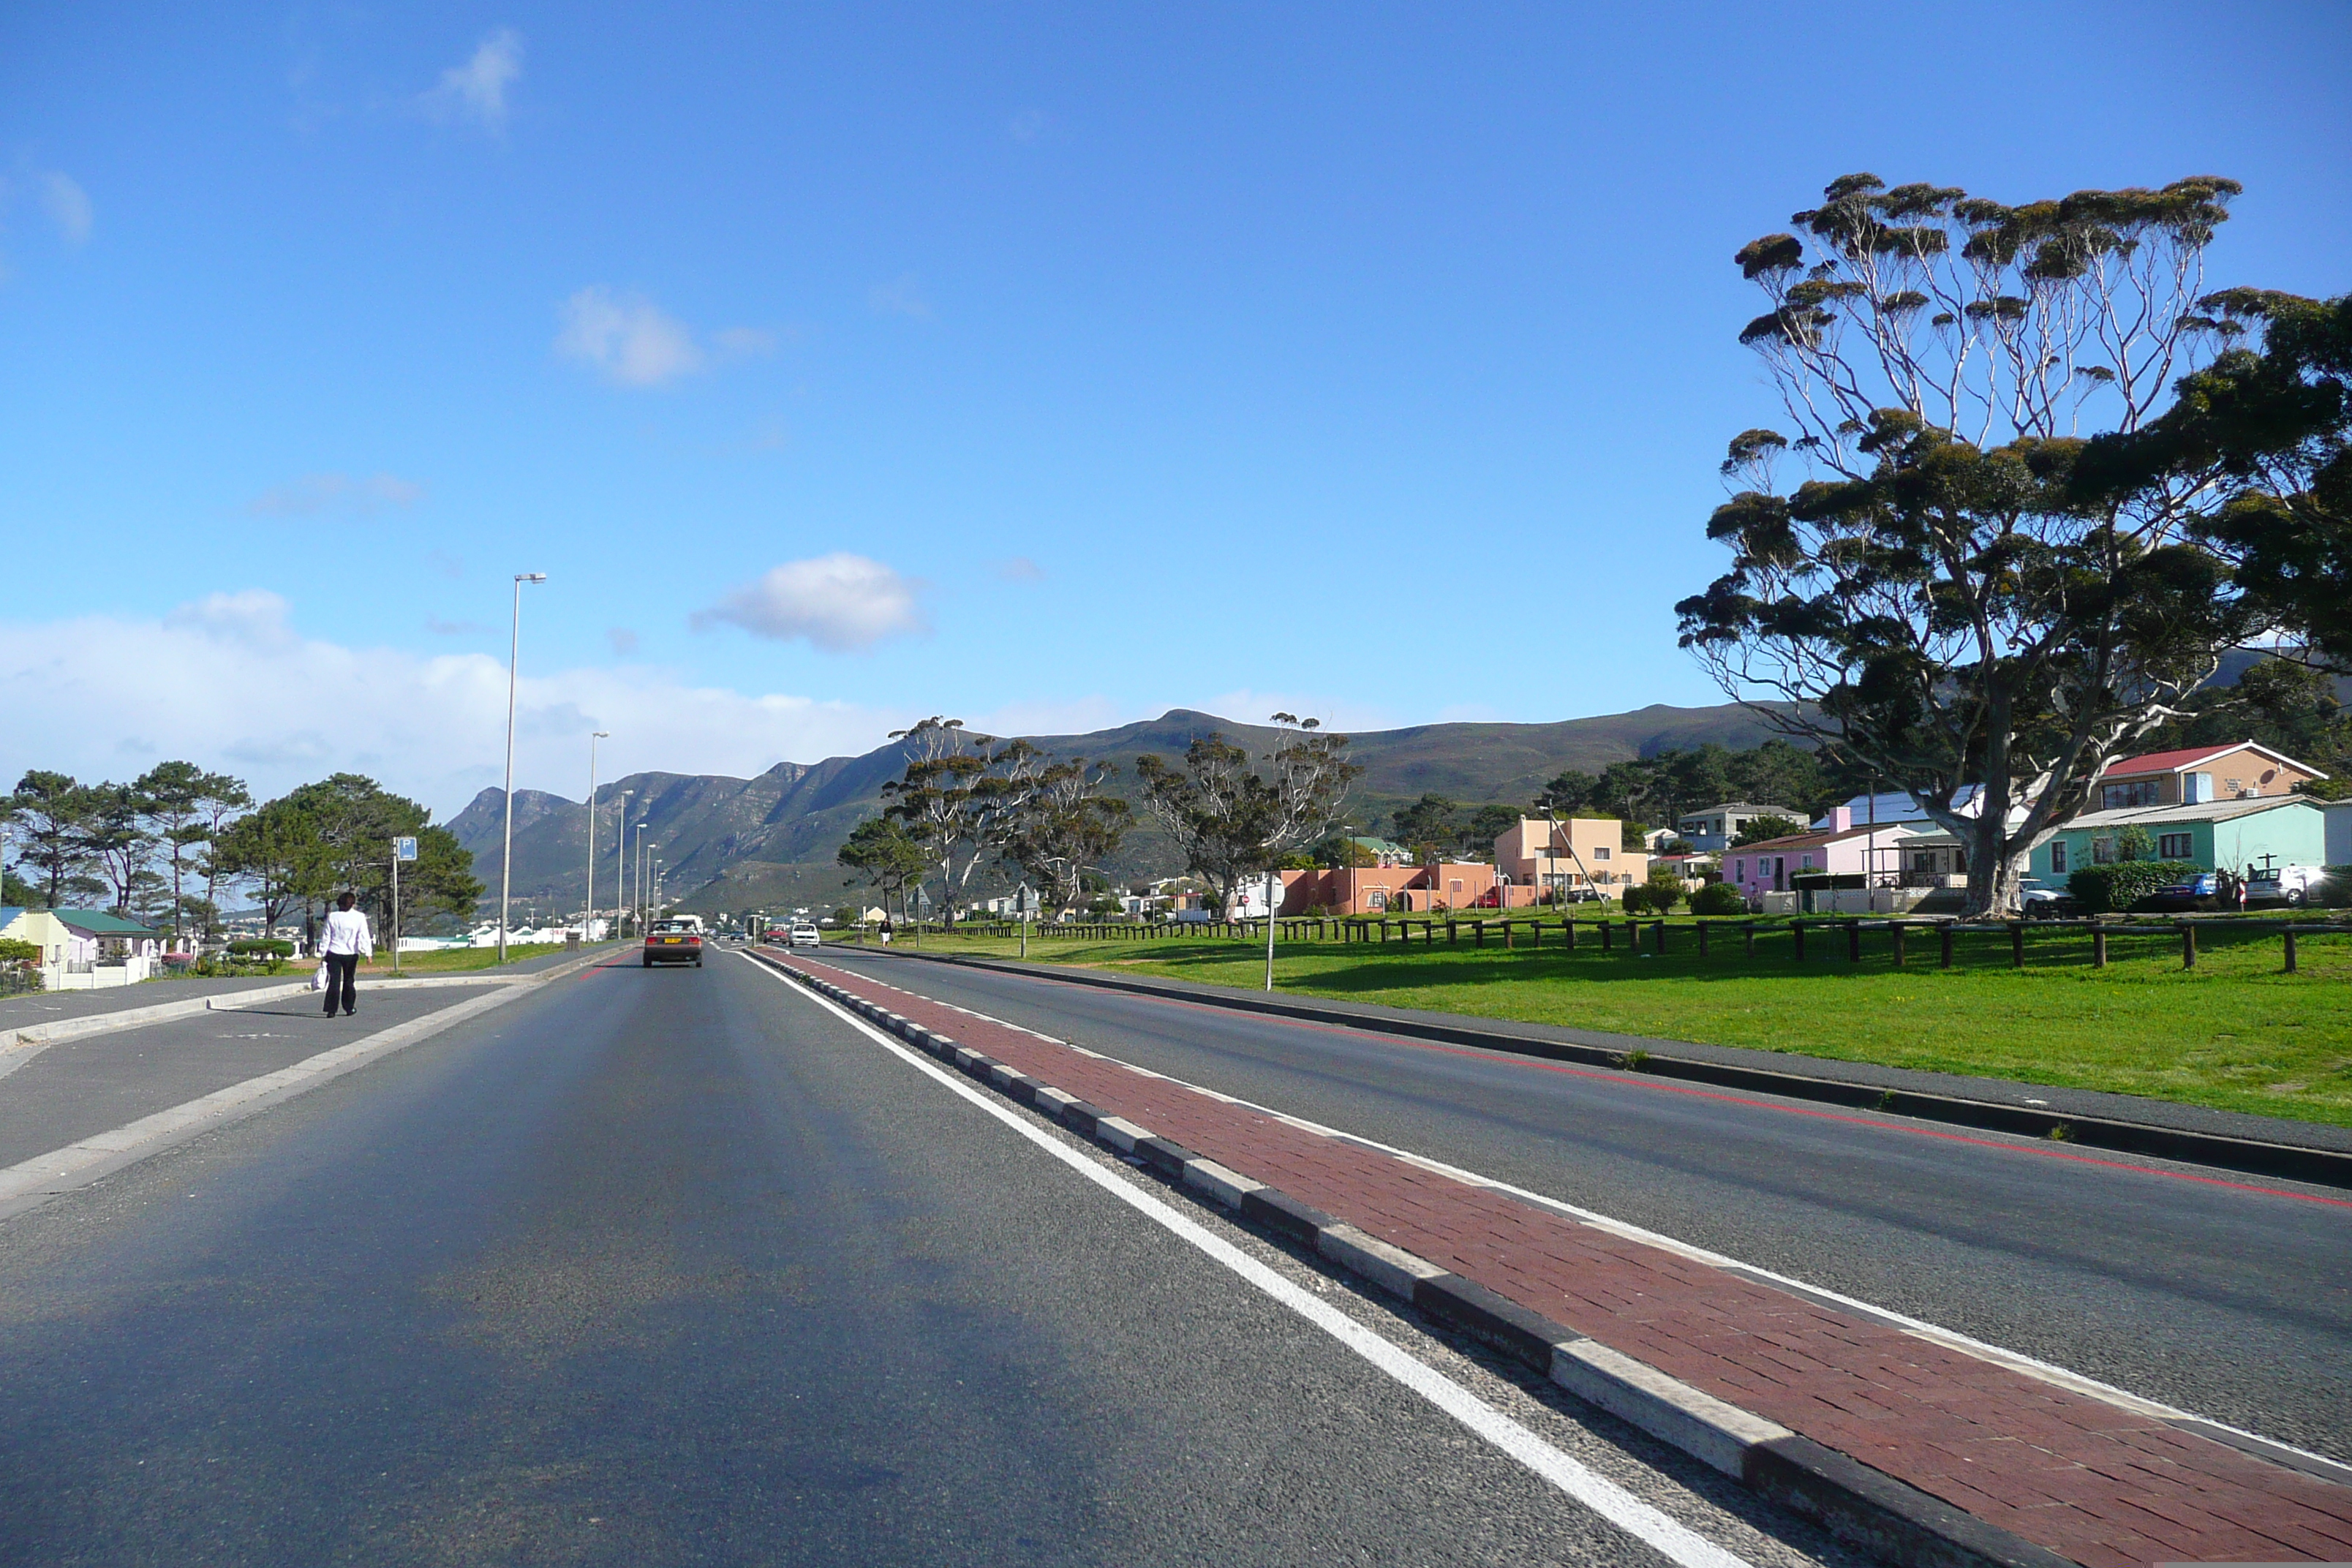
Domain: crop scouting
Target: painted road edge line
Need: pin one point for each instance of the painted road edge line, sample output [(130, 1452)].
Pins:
[(1603, 1497), (2272, 1450), (31, 1182), (1859, 1505), (2221, 1151)]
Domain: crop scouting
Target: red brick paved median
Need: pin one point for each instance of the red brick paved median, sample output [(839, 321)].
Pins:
[(2099, 1484)]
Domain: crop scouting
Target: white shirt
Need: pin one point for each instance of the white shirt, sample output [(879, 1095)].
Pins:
[(347, 932)]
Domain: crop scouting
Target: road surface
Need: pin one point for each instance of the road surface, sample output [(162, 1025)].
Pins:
[(680, 1266), (2229, 1297)]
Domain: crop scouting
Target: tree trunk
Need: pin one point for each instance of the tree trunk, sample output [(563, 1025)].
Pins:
[(1996, 875)]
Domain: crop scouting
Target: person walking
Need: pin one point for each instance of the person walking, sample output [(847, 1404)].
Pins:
[(348, 940)]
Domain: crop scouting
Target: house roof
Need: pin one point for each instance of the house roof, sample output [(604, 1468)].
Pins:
[(2210, 811), (1748, 807), (98, 922), (1892, 832), (2181, 760)]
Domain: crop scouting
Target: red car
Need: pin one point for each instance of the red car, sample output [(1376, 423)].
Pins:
[(674, 942)]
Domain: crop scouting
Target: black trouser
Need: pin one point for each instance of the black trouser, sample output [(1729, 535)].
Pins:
[(342, 977)]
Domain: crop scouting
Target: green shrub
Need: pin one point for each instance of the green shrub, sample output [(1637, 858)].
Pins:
[(2105, 889), (15, 952), (1656, 898), (1718, 898)]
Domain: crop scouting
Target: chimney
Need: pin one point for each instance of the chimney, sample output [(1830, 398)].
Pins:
[(1840, 819)]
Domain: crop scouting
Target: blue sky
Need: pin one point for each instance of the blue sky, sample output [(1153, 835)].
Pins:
[(1212, 356)]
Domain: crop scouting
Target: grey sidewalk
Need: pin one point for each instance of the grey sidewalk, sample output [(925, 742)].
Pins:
[(77, 1089), (52, 1006), (55, 1006)]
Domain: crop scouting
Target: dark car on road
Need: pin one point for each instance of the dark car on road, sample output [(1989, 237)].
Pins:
[(675, 941)]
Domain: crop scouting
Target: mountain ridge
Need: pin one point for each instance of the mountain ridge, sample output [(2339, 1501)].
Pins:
[(730, 841)]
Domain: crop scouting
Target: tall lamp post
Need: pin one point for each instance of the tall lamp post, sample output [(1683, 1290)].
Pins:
[(644, 850), (506, 861), (621, 865), (588, 920)]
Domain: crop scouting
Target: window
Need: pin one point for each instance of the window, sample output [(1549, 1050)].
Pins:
[(1806, 860), (1454, 886), (2103, 851), (1378, 899), (2057, 857), (2173, 847), (1601, 853), (2118, 797)]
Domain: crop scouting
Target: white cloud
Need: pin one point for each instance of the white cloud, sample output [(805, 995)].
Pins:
[(1020, 569), (229, 682), (315, 493), (744, 343), (902, 296), (476, 91), (623, 641), (840, 603), (630, 340), (68, 205)]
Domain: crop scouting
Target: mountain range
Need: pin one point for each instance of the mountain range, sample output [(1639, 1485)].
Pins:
[(733, 843)]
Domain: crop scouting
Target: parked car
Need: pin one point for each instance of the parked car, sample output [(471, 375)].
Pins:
[(804, 935), (676, 940), (2190, 893), (2284, 884), (2050, 904)]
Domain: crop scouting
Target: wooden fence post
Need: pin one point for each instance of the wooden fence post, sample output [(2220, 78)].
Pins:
[(1608, 937), (2017, 944), (1658, 936), (1747, 929), (1944, 929), (1897, 927), (2187, 946), (1702, 939), (1568, 932), (2098, 945), (1797, 931), (1854, 941), (2289, 936)]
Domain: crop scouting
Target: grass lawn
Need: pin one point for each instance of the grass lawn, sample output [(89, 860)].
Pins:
[(455, 961), (2235, 1032)]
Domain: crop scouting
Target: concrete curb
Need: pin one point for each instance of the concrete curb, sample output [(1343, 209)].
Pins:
[(1863, 1507), (31, 1182), (2321, 1167)]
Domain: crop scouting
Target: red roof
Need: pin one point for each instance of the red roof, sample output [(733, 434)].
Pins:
[(2169, 762), (2175, 761)]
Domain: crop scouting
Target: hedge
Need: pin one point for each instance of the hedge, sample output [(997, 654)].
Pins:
[(1718, 898), (2105, 889)]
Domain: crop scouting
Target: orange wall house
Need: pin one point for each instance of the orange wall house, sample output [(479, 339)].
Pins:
[(1535, 855), (2198, 776), (1380, 889)]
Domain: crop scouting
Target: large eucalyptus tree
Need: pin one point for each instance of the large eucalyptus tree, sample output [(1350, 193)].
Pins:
[(1969, 591)]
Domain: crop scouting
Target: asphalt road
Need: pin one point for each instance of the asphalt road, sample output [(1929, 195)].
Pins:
[(2230, 1298), (677, 1267)]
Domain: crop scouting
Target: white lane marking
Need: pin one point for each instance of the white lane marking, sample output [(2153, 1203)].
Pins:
[(1936, 1333), (1596, 1492)]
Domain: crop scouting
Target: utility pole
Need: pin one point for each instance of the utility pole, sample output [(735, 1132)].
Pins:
[(588, 920), (514, 652)]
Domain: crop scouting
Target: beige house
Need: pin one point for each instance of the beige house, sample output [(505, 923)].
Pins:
[(1583, 855), (2199, 775)]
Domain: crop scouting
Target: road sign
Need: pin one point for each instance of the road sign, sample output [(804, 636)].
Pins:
[(403, 849)]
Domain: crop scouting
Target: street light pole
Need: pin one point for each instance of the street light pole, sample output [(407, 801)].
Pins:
[(588, 920), (506, 861), (621, 866)]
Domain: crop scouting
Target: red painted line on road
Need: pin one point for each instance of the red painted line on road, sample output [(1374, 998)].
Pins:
[(1631, 1081)]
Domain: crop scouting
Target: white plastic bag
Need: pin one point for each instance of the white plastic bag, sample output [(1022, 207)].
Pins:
[(319, 976)]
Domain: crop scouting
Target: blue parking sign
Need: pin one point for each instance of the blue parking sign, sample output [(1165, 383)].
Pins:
[(403, 849)]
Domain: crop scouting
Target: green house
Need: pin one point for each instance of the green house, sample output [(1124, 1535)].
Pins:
[(2221, 835)]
